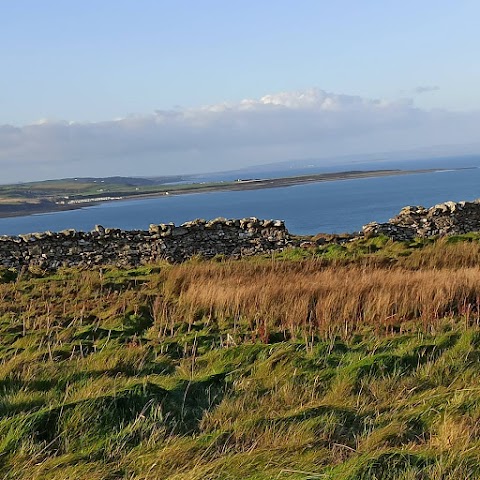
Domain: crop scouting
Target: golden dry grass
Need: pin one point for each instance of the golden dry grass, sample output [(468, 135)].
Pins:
[(308, 298)]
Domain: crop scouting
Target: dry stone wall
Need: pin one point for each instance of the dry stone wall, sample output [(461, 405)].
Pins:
[(233, 238), (109, 246), (449, 218)]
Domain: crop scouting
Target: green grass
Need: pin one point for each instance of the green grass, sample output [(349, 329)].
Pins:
[(94, 385), (403, 407)]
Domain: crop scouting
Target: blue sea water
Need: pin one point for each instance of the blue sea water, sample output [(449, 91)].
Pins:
[(330, 207)]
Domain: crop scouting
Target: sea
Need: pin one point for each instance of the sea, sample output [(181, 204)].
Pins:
[(327, 207)]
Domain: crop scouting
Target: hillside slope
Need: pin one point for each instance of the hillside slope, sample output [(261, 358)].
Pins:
[(341, 362)]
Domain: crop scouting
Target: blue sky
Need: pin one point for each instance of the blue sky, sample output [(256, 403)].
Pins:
[(97, 61)]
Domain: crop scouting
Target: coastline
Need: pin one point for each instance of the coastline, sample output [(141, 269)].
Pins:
[(239, 185)]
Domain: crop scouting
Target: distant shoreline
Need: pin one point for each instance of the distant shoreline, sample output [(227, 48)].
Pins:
[(239, 185)]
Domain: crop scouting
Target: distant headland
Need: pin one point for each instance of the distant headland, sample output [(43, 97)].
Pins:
[(73, 193)]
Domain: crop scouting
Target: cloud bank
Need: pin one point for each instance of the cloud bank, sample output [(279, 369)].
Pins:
[(277, 127)]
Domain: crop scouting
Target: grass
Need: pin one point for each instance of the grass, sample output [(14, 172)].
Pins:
[(360, 362)]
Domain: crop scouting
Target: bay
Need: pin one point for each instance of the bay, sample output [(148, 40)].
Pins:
[(331, 207)]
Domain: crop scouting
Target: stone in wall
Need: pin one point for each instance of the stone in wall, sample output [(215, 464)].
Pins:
[(449, 218)]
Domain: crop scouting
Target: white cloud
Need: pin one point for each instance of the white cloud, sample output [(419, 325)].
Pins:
[(276, 127)]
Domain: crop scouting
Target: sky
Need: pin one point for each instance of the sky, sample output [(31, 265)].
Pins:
[(155, 87)]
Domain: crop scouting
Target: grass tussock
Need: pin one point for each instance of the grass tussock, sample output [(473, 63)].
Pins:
[(354, 362)]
